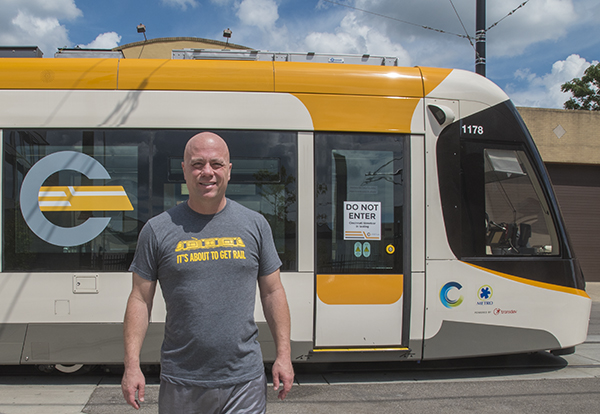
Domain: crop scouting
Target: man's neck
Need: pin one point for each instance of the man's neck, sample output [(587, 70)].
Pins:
[(207, 208)]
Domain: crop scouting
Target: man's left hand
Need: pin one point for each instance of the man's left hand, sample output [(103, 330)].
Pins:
[(283, 374)]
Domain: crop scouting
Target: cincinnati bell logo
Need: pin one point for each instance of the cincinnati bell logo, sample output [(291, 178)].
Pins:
[(36, 198)]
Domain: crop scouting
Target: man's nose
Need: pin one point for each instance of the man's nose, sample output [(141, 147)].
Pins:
[(206, 170)]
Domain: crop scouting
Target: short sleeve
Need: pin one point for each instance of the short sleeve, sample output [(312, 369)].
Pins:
[(269, 259), (145, 261)]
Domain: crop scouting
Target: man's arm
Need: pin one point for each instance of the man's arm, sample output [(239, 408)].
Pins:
[(137, 317), (277, 313)]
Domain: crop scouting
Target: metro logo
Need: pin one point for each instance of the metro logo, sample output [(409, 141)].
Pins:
[(84, 198)]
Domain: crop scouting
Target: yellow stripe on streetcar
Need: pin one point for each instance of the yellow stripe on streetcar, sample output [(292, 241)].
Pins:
[(84, 198), (358, 289)]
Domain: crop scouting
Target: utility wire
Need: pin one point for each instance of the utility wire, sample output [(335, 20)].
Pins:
[(486, 30), (509, 14), (398, 20), (462, 24), (428, 27)]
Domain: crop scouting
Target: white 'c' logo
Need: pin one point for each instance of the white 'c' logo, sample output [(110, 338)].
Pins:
[(35, 198)]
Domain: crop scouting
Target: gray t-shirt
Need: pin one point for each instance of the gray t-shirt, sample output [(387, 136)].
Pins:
[(207, 267)]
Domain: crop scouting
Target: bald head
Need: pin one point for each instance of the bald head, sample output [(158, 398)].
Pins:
[(205, 140), (206, 168)]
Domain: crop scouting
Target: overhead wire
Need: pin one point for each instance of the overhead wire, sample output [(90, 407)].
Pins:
[(509, 14), (465, 36), (393, 18), (463, 26), (486, 30)]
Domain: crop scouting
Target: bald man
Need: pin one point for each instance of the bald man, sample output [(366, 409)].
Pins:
[(208, 254)]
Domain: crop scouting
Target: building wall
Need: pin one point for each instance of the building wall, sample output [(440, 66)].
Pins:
[(577, 188), (565, 136), (161, 48), (569, 142)]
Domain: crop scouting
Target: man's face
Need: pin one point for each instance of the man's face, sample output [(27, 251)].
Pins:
[(206, 169)]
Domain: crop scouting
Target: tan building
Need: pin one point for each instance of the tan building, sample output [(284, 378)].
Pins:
[(569, 143), (161, 48)]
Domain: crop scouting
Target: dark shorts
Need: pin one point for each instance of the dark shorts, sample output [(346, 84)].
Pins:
[(248, 398)]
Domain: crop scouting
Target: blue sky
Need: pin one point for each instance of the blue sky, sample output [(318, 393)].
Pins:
[(530, 53)]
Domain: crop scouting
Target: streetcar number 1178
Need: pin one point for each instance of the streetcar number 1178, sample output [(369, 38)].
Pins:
[(472, 129)]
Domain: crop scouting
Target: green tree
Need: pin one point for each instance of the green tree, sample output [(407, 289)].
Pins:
[(585, 91)]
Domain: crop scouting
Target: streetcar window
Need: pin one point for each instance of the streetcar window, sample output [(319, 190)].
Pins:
[(263, 178), (518, 219), (94, 180), (113, 181), (360, 201), (494, 197)]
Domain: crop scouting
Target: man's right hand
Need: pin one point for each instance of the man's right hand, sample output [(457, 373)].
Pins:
[(133, 385), (135, 325)]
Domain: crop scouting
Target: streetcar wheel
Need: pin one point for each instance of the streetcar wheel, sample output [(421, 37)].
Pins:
[(68, 369)]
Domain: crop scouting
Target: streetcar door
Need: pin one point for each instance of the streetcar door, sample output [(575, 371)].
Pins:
[(360, 199)]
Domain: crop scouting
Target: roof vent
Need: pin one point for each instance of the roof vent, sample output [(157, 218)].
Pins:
[(89, 53), (20, 52), (216, 54)]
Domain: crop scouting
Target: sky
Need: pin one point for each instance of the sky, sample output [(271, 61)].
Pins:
[(530, 52)]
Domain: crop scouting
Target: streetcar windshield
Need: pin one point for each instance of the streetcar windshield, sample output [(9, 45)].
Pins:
[(518, 219)]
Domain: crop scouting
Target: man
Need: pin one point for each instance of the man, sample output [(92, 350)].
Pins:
[(207, 255)]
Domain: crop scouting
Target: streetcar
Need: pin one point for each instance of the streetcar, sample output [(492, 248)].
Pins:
[(410, 207)]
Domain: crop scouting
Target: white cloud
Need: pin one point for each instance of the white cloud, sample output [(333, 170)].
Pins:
[(36, 23), (371, 32), (180, 3), (537, 21), (264, 15), (260, 13), (65, 9), (36, 26), (342, 41), (354, 38), (107, 40), (544, 91)]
